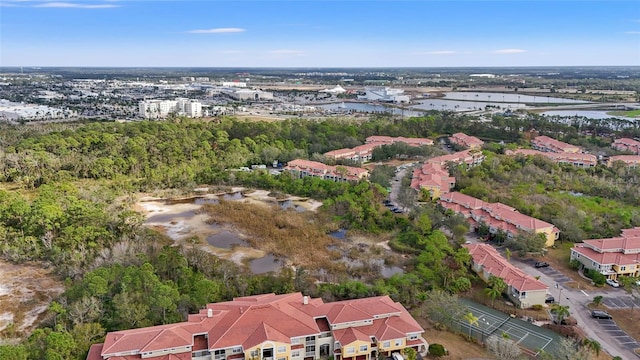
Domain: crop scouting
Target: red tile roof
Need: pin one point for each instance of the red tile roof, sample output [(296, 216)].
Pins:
[(322, 170), (382, 140), (607, 258), (572, 158), (493, 263), (554, 145), (251, 320), (627, 145), (466, 140), (629, 160)]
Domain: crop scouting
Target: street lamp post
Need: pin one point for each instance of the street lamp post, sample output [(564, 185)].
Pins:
[(559, 294)]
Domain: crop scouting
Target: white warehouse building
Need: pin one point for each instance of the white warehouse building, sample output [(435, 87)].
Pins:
[(384, 94), (156, 109)]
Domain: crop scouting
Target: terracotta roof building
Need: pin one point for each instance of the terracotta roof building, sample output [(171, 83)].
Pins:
[(469, 157), (547, 144), (363, 153), (612, 257), (629, 160), (388, 140), (522, 288), (575, 159), (626, 144), (434, 178), (497, 216), (273, 327), (465, 140), (304, 168)]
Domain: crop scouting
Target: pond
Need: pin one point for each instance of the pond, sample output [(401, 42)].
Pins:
[(226, 240), (265, 264)]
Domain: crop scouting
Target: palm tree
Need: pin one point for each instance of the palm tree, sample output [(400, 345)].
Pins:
[(493, 293), (592, 345), (507, 254), (471, 319), (561, 312)]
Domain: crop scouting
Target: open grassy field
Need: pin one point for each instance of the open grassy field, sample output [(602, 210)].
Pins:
[(630, 113)]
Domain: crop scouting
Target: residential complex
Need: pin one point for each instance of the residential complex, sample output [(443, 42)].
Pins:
[(388, 140), (465, 140), (523, 289), (274, 327), (156, 109), (629, 160), (547, 144), (613, 257), (498, 217), (575, 159), (626, 144), (469, 157), (434, 178), (303, 168), (364, 153)]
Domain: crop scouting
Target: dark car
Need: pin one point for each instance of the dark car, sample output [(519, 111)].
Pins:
[(599, 314), (549, 299), (541, 264)]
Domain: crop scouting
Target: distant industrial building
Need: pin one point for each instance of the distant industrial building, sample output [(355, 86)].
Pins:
[(336, 90), (234, 84), (11, 111), (157, 109), (384, 94), (248, 94)]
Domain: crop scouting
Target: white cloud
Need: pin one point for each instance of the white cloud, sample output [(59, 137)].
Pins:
[(67, 5), (287, 52), (217, 31), (632, 32), (509, 51)]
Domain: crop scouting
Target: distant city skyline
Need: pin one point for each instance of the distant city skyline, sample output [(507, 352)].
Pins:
[(356, 33)]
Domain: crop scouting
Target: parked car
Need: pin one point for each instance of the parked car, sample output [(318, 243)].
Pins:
[(541, 264), (396, 356), (613, 283), (599, 314), (549, 299)]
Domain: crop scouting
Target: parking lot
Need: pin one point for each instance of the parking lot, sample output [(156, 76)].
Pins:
[(556, 275), (621, 302), (611, 328)]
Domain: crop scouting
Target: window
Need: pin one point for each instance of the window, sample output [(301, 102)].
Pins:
[(236, 350), (623, 268), (413, 337), (386, 344), (282, 358), (295, 341), (363, 348), (295, 353), (254, 353), (398, 342), (350, 350), (282, 349)]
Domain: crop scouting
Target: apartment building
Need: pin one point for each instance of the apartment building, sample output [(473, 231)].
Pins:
[(498, 217), (465, 140), (364, 153), (303, 168), (434, 178), (157, 109), (469, 157), (612, 257), (523, 289), (388, 140), (626, 144), (273, 327), (575, 159), (629, 160), (547, 144)]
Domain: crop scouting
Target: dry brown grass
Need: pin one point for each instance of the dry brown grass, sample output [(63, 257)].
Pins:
[(559, 260), (300, 237), (458, 346), (628, 320)]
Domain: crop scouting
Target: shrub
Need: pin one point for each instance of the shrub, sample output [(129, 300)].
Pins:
[(575, 265), (437, 350), (536, 307)]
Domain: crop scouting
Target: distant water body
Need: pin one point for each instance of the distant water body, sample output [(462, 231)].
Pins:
[(590, 114)]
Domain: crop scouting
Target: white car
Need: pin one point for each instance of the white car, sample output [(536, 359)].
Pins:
[(397, 356), (613, 283)]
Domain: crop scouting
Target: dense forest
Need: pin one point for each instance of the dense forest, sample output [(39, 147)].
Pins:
[(68, 189)]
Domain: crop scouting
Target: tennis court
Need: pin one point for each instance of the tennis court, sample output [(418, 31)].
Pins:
[(492, 322)]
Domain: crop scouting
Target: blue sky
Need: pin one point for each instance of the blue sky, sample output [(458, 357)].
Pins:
[(330, 33)]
